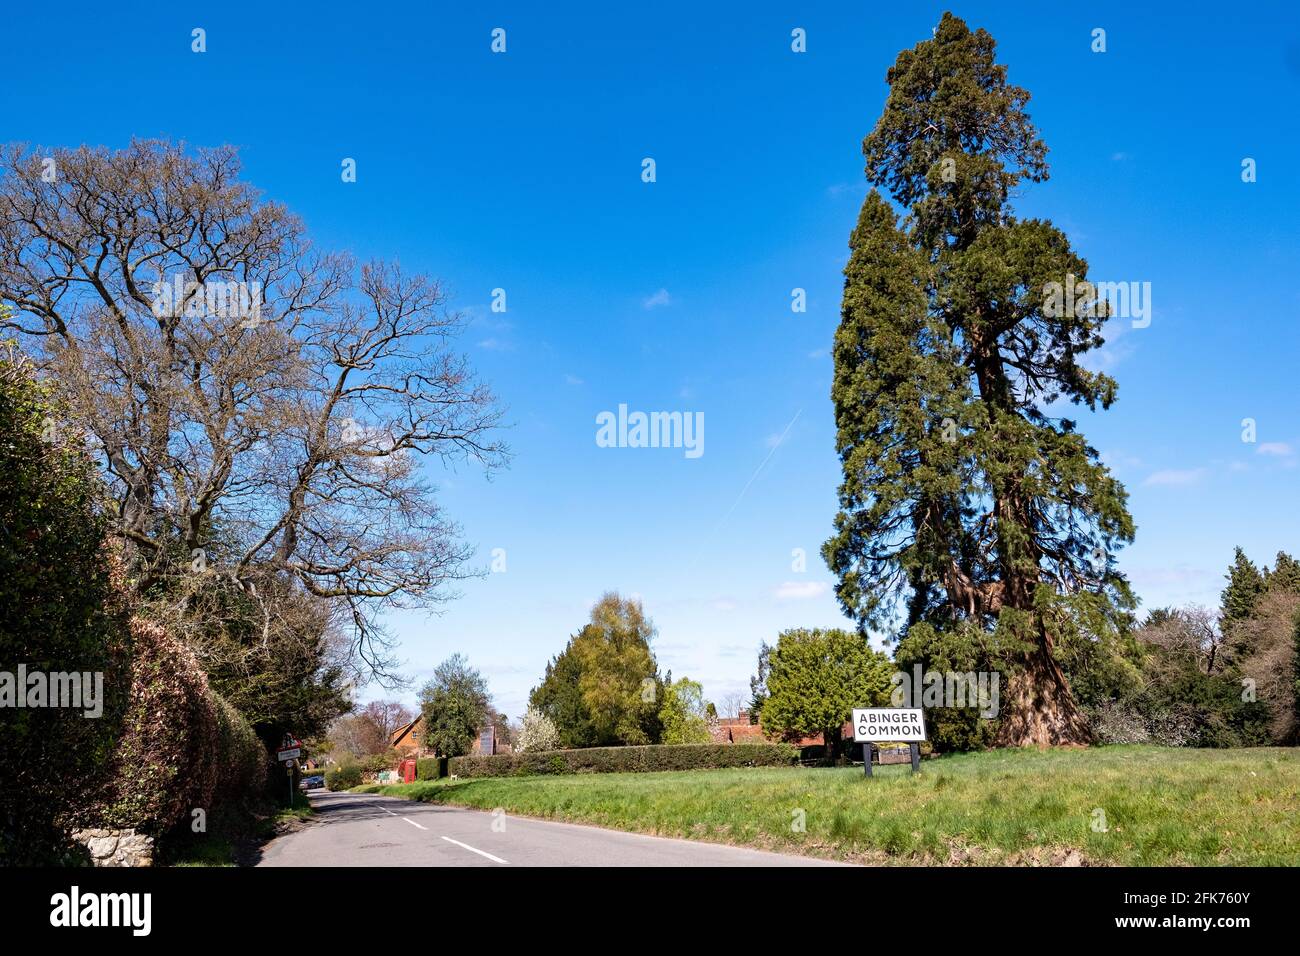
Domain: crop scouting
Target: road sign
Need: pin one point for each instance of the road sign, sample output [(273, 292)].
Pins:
[(880, 724), (291, 754), (873, 725)]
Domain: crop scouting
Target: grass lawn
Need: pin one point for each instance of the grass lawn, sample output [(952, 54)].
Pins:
[(1161, 807)]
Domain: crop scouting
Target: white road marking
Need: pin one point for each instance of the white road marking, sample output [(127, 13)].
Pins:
[(385, 809), (413, 823), (494, 859)]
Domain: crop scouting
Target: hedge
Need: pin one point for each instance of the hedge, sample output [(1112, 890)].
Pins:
[(182, 747), (242, 761), (57, 614), (626, 759), (343, 776), (430, 768)]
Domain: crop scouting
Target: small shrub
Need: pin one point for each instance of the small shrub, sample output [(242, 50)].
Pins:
[(374, 763), (643, 759)]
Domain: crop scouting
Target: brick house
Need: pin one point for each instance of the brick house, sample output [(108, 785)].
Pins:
[(738, 730), (408, 740)]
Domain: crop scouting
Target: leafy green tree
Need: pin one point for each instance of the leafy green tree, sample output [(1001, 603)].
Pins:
[(684, 713), (1245, 585), (605, 687), (559, 698), (619, 679), (815, 679), (455, 707), (1160, 615), (963, 497)]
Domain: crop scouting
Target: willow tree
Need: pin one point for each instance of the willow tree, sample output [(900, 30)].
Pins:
[(966, 497)]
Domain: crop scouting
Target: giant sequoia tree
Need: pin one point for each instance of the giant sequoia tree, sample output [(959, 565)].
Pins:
[(965, 497)]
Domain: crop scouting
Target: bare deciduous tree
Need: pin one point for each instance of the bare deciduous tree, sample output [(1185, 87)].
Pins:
[(732, 704), (230, 376), (1194, 632), (388, 716), (1267, 640)]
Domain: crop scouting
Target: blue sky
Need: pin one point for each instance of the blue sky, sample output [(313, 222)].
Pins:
[(522, 171)]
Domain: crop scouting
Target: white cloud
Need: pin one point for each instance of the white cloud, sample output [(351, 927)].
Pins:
[(572, 380), (499, 331), (1278, 449), (662, 297), (1116, 458), (1175, 476), (724, 604), (800, 590)]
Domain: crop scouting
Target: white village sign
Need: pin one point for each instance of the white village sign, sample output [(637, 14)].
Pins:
[(874, 725)]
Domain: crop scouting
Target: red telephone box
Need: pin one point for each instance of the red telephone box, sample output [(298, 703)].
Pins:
[(407, 769)]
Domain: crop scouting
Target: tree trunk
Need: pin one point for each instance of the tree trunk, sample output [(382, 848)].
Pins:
[(832, 741), (1038, 709)]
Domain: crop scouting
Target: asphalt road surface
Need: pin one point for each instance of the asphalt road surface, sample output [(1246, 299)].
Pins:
[(364, 830)]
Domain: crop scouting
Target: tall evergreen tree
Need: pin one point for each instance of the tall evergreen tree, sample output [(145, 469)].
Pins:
[(963, 498), (1245, 585), (1284, 576)]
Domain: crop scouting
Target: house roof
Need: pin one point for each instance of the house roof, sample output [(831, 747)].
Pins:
[(398, 734)]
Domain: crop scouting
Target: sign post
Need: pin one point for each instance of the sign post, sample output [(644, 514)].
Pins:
[(289, 751), (874, 725)]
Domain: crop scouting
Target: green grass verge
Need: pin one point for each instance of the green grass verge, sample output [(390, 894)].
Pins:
[(1129, 805), (233, 834)]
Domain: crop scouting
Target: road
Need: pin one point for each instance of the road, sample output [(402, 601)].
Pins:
[(365, 830)]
